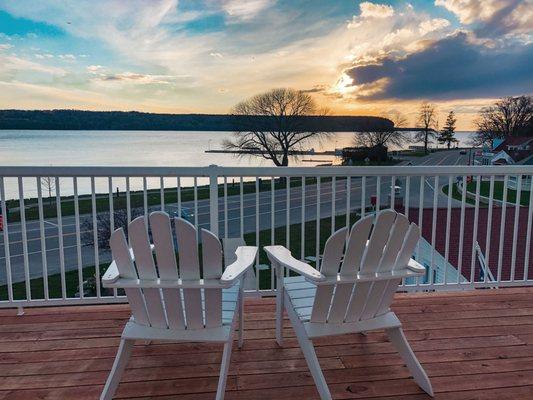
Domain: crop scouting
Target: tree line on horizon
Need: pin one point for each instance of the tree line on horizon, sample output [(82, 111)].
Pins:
[(134, 120)]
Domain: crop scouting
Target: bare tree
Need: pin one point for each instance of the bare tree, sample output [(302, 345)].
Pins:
[(510, 116), (370, 136), (427, 124), (48, 183), (103, 226), (271, 125)]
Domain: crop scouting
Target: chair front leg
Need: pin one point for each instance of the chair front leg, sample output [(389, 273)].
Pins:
[(401, 344), (279, 303), (121, 360)]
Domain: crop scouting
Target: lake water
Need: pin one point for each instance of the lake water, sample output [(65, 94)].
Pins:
[(136, 148)]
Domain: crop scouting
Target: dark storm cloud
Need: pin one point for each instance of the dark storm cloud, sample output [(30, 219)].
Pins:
[(451, 68)]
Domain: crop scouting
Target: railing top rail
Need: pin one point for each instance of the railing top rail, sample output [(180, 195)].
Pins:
[(126, 171)]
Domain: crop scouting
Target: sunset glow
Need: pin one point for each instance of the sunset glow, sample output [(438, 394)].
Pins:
[(355, 58)]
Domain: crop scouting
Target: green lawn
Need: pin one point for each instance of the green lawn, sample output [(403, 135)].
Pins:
[(456, 194), (71, 277), (484, 190)]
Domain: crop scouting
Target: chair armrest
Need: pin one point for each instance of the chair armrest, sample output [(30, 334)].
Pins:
[(245, 259), (416, 267), (283, 257), (111, 275)]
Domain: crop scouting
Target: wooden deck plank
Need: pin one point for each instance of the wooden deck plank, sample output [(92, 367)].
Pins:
[(474, 345)]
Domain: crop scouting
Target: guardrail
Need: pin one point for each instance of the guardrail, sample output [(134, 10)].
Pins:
[(51, 253)]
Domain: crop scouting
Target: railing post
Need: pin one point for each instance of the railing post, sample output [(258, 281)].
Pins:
[(213, 198)]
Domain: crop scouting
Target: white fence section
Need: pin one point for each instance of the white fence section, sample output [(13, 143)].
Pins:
[(51, 253)]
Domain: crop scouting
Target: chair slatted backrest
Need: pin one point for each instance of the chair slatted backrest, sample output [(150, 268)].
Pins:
[(168, 307), (372, 247)]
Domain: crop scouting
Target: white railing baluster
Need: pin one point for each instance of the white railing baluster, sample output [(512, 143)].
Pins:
[(60, 239), (272, 212), (272, 228), (474, 234), (515, 226), (241, 194), (302, 227), (363, 196), (128, 200), (257, 271), (288, 214), (378, 193), (489, 228), (178, 189), (24, 239), (145, 200), (95, 240), (162, 192), (213, 201), (44, 258), (317, 252), (392, 192), (348, 200), (448, 223), (502, 228), (420, 215), (433, 230), (529, 229), (111, 214), (78, 236), (7, 252), (111, 205), (461, 231), (196, 202), (407, 195), (333, 199)]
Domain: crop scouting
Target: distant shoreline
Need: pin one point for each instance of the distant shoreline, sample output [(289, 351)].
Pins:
[(138, 121)]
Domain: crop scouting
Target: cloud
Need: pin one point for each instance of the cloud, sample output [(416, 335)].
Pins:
[(131, 77), (67, 57), (493, 17), (453, 67), (5, 46), (94, 68), (216, 55), (432, 25), (43, 56), (372, 10), (245, 10), (14, 64)]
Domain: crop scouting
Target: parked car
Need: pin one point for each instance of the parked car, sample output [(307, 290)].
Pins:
[(463, 151), (185, 214)]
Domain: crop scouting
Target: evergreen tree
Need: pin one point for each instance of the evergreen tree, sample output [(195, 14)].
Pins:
[(447, 134)]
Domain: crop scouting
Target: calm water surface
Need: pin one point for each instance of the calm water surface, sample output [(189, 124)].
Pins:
[(135, 148)]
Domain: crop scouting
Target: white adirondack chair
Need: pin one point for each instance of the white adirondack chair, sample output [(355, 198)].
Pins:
[(173, 305), (351, 294)]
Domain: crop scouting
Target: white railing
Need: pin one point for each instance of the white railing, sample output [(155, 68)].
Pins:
[(52, 255)]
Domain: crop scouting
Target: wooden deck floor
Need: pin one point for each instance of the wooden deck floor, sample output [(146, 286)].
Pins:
[(474, 345)]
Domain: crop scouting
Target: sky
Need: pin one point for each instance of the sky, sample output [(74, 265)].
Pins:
[(204, 56)]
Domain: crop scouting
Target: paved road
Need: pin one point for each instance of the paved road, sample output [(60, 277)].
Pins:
[(29, 257)]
